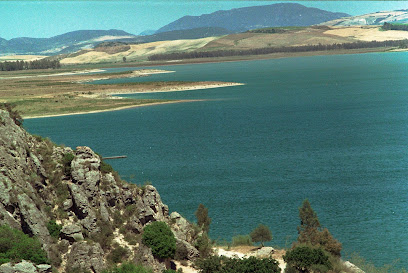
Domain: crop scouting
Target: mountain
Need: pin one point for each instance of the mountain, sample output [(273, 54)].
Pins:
[(242, 19), (377, 18), (147, 32), (68, 42), (77, 207)]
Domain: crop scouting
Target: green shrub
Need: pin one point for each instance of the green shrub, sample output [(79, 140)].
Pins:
[(16, 246), (105, 236), (304, 258), (118, 254), (215, 264), (242, 240), (211, 264), (159, 237), (14, 114), (128, 268), (204, 246), (181, 252), (66, 163), (105, 167), (53, 228)]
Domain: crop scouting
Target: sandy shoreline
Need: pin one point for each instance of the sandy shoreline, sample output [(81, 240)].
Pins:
[(109, 110), (175, 88)]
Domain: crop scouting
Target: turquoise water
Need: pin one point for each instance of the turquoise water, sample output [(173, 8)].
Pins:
[(333, 129)]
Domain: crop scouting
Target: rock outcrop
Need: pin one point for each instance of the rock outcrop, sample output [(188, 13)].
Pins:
[(41, 182)]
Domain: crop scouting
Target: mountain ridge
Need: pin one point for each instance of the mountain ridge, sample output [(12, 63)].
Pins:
[(66, 42), (242, 19)]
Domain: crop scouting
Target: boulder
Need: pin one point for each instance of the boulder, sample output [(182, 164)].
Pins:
[(190, 251), (72, 233), (85, 256)]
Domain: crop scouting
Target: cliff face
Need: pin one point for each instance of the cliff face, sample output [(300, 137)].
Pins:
[(98, 212)]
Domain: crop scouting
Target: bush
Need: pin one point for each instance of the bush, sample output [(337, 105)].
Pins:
[(181, 252), (66, 163), (211, 264), (215, 264), (54, 229), (118, 254), (159, 237), (105, 167), (242, 240), (16, 246), (105, 236), (304, 258), (203, 245), (14, 115), (128, 268)]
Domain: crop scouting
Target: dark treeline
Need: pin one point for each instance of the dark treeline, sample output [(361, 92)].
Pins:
[(388, 26), (37, 64), (269, 50)]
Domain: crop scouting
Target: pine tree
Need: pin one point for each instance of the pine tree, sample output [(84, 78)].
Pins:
[(203, 220)]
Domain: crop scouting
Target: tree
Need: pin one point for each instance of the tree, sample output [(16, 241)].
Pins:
[(261, 234), (310, 231), (203, 220), (309, 223), (159, 237)]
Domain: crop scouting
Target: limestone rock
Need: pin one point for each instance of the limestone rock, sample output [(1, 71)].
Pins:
[(72, 233), (152, 208), (263, 252), (86, 256), (35, 188), (85, 169), (44, 268), (191, 251), (83, 209), (145, 257), (21, 267), (181, 228)]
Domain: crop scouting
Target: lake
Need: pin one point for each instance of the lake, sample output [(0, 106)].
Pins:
[(333, 129)]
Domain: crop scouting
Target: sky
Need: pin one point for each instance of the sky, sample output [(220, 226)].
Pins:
[(44, 18)]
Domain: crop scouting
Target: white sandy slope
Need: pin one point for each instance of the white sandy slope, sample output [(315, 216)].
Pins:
[(139, 51), (368, 33), (26, 58)]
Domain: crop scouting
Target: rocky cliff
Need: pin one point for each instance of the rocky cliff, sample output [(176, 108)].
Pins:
[(41, 183)]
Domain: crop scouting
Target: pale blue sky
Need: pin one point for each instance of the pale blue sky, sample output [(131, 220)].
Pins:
[(42, 19)]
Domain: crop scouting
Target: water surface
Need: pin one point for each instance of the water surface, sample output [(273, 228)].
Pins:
[(333, 129)]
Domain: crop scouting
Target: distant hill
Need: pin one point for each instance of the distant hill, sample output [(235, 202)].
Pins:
[(243, 19), (147, 32), (68, 42), (377, 18), (194, 33)]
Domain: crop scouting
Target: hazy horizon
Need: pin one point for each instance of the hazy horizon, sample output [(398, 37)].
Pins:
[(44, 19)]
